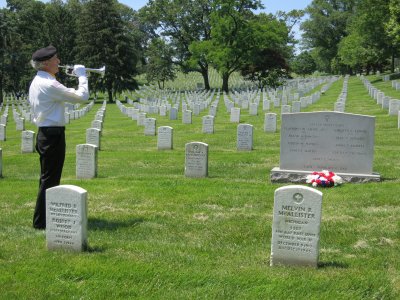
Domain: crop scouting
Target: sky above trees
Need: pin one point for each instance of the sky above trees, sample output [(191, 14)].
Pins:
[(271, 5)]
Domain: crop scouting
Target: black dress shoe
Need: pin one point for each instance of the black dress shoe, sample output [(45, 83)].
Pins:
[(40, 227)]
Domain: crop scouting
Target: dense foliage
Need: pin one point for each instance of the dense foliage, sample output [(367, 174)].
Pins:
[(166, 36), (162, 36), (348, 36)]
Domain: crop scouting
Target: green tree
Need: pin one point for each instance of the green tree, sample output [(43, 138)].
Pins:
[(325, 27), (184, 22), (232, 36), (392, 28), (27, 25), (6, 32), (303, 64), (291, 18), (61, 26), (267, 68), (103, 40), (266, 60), (160, 67), (61, 20), (369, 23)]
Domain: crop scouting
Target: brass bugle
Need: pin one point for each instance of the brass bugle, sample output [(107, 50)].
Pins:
[(69, 70)]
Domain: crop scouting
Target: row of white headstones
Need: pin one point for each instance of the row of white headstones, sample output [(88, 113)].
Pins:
[(386, 102), (296, 218), (196, 163), (295, 227)]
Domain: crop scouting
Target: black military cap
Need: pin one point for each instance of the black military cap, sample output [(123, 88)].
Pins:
[(44, 53)]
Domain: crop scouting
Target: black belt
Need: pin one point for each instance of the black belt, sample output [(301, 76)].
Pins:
[(52, 130)]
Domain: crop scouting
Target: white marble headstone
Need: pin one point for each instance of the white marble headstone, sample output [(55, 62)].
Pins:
[(27, 141), (187, 117), (196, 159), (285, 109), (270, 122), (173, 113), (3, 132), (208, 124), (339, 106), (86, 161), (266, 105), (165, 138), (296, 226), (245, 137), (150, 126), (20, 124), (66, 218), (141, 118), (253, 109), (67, 117), (3, 119), (394, 107), (97, 124), (93, 137), (296, 106), (235, 115)]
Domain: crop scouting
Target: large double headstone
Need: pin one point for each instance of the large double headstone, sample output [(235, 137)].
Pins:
[(339, 142), (66, 218)]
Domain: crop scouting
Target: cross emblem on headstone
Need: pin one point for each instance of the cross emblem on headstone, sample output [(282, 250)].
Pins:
[(298, 198)]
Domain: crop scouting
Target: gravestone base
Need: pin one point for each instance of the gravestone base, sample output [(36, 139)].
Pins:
[(297, 176)]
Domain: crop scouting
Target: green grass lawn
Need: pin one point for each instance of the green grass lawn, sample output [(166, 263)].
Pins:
[(154, 234)]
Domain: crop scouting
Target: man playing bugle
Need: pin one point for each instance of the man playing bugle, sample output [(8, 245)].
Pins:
[(47, 97)]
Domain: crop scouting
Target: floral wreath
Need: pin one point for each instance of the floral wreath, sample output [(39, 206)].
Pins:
[(324, 178)]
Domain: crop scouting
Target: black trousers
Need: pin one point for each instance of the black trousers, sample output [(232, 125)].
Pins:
[(50, 144)]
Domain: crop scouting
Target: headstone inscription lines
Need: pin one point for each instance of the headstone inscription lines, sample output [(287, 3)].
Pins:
[(296, 226), (66, 218)]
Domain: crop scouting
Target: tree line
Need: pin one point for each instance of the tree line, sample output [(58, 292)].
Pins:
[(160, 39), (166, 36), (352, 36)]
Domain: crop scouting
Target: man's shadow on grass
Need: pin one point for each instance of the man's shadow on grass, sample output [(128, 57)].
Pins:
[(95, 224), (332, 264), (102, 224)]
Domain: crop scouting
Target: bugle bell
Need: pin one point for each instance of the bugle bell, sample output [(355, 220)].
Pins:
[(69, 70)]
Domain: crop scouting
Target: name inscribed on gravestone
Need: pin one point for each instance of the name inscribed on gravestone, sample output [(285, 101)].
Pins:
[(196, 159), (296, 226), (93, 137), (270, 122), (165, 138), (27, 141), (66, 218), (339, 142), (208, 124), (86, 161), (245, 137)]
